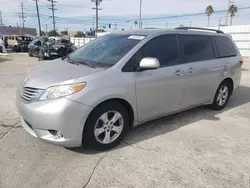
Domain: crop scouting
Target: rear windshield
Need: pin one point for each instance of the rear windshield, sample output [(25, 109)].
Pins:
[(225, 47), (106, 50)]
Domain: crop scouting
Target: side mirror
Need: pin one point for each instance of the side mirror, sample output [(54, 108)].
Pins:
[(149, 63)]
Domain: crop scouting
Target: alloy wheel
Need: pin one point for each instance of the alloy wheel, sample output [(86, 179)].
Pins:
[(108, 127), (222, 95)]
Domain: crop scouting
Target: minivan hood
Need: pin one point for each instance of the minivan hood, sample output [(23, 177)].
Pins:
[(56, 72)]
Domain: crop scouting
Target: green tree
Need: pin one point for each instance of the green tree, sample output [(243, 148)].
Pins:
[(79, 34), (53, 33), (232, 10), (209, 12)]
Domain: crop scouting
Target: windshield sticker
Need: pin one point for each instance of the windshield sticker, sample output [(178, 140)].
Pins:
[(136, 37)]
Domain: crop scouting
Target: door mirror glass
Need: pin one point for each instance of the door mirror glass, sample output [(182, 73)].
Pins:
[(149, 63)]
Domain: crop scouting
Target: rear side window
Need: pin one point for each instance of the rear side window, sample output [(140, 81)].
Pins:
[(225, 47), (196, 48)]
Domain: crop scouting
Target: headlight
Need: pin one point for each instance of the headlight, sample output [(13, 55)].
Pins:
[(61, 91)]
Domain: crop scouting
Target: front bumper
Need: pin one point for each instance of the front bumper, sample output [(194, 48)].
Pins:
[(62, 114)]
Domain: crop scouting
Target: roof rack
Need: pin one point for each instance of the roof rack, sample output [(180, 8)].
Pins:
[(199, 28)]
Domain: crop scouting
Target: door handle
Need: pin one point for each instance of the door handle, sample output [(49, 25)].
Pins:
[(179, 72), (191, 70)]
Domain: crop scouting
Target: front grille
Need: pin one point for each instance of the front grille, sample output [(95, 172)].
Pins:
[(29, 93)]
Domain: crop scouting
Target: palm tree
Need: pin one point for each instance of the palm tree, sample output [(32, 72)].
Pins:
[(209, 12), (232, 10)]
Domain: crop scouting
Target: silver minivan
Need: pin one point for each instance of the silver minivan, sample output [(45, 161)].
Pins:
[(95, 94)]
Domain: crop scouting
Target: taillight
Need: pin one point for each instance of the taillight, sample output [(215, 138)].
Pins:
[(241, 61)]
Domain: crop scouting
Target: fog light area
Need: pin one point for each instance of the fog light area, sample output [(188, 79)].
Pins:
[(56, 133)]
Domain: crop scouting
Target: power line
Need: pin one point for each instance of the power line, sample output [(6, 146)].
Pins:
[(126, 22), (129, 19), (53, 12)]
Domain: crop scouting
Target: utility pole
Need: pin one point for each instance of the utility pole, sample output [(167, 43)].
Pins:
[(20, 28), (93, 24), (97, 3), (140, 24), (219, 24), (38, 17), (1, 19), (166, 24), (53, 12), (22, 14), (190, 23), (46, 29)]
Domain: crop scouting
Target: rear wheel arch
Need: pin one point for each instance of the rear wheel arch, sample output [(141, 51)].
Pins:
[(230, 82), (221, 97)]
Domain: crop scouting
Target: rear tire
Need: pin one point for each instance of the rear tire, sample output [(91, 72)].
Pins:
[(222, 96), (98, 128)]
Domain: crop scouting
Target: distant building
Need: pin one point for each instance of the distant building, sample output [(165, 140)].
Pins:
[(17, 31)]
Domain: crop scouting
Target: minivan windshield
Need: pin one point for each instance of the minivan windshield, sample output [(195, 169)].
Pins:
[(106, 50)]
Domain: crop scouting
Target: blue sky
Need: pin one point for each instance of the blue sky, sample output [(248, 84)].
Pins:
[(120, 12)]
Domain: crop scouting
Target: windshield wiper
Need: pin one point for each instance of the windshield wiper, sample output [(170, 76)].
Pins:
[(79, 62), (72, 62), (84, 63)]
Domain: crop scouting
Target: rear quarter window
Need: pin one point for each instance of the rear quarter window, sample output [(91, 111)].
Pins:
[(225, 46)]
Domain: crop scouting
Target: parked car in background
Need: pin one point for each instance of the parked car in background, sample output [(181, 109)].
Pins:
[(2, 47), (35, 46), (55, 48), (19, 43), (119, 80), (5, 40)]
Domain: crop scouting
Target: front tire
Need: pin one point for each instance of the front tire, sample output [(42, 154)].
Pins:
[(222, 96), (106, 126)]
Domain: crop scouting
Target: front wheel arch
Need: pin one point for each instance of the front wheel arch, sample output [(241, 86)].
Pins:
[(123, 102), (87, 136)]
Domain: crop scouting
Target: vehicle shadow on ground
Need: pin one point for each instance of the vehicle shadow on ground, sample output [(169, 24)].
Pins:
[(170, 123)]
